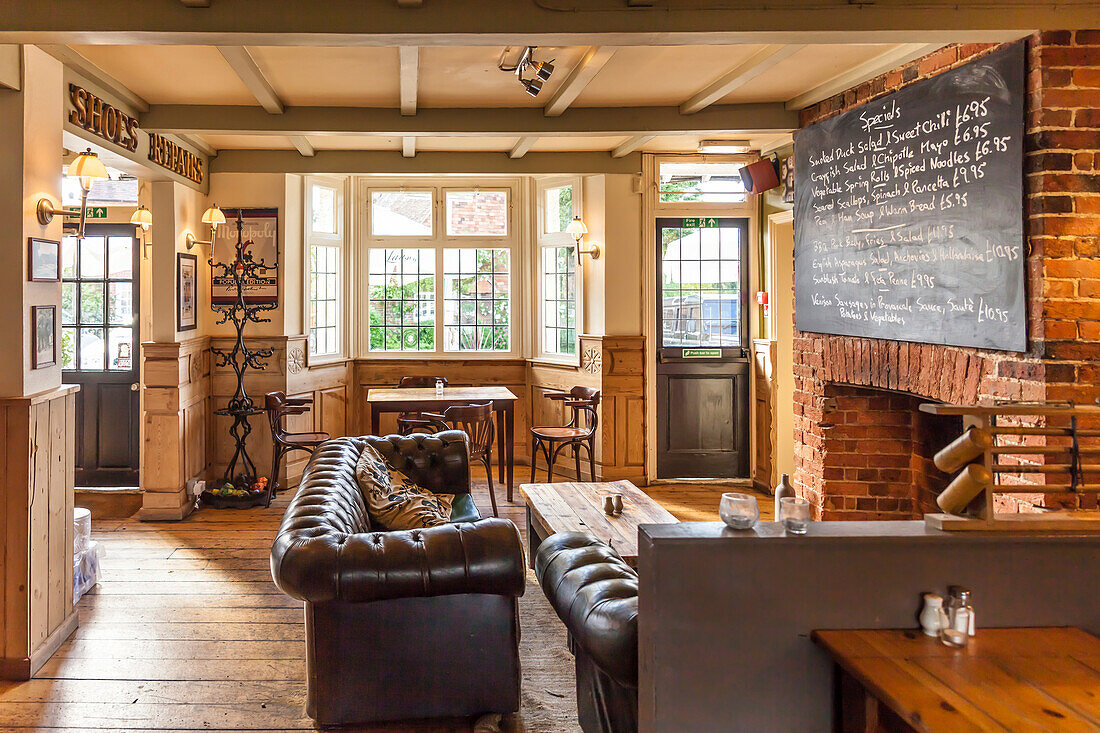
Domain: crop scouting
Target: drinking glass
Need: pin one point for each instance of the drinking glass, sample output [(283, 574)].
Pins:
[(795, 514), (739, 511)]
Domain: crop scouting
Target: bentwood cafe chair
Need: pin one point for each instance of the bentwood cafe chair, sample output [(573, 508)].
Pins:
[(277, 406), (477, 422), (415, 422), (579, 431)]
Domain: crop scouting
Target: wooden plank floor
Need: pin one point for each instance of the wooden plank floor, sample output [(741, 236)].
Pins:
[(186, 630)]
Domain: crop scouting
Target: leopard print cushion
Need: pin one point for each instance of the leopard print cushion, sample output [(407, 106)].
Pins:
[(394, 501)]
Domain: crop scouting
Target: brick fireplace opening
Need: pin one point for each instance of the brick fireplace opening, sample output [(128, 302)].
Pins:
[(877, 450)]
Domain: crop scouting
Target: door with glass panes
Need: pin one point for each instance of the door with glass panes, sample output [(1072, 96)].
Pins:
[(99, 320), (702, 368)]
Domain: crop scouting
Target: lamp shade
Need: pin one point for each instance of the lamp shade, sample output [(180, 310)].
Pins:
[(213, 216), (577, 228), (87, 167), (142, 217)]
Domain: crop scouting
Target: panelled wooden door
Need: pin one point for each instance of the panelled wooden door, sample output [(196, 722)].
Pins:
[(702, 364), (99, 317)]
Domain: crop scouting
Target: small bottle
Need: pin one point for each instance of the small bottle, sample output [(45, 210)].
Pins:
[(959, 611), (439, 388), (783, 489), (932, 617)]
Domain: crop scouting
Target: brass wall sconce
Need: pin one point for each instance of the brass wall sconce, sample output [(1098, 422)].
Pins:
[(143, 218), (578, 230), (86, 167), (215, 218)]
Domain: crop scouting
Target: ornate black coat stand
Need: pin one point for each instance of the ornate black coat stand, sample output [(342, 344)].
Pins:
[(241, 471)]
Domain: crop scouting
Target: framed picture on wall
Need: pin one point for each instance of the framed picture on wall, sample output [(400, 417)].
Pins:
[(260, 235), (43, 336), (43, 260), (187, 283)]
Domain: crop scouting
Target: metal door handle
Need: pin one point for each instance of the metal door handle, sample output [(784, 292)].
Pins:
[(135, 387)]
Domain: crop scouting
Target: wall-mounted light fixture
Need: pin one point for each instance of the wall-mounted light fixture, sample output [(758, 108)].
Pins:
[(578, 230), (215, 218), (143, 218), (540, 70), (86, 167)]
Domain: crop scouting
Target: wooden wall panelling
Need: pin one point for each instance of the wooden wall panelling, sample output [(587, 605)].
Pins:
[(623, 384), (176, 444), (39, 452)]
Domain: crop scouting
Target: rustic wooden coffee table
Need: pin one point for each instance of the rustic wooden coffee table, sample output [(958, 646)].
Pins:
[(578, 507)]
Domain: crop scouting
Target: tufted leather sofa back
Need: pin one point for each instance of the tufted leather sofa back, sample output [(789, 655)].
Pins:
[(326, 551)]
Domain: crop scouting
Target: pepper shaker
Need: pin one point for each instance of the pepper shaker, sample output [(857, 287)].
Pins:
[(609, 505), (618, 502)]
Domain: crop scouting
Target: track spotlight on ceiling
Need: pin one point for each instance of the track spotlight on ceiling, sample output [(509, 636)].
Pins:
[(540, 71)]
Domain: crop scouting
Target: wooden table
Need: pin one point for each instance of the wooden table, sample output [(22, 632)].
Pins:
[(418, 399), (1005, 680), (578, 507)]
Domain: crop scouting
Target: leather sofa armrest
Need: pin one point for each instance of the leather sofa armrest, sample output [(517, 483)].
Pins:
[(595, 594), (479, 557)]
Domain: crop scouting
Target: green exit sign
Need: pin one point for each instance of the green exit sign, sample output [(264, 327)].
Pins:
[(697, 223), (701, 354), (97, 212)]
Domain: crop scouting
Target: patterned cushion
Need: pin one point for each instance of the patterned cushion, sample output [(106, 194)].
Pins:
[(394, 501)]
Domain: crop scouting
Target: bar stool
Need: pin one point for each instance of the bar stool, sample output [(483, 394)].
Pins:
[(477, 422), (409, 422), (278, 406), (579, 431)]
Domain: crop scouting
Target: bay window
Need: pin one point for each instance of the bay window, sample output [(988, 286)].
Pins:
[(439, 269), (557, 312), (325, 255)]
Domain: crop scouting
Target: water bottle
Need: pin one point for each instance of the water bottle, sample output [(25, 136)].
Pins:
[(783, 489)]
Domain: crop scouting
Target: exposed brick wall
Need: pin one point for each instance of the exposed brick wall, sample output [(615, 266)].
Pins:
[(1062, 168)]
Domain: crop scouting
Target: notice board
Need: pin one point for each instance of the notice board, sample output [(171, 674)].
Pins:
[(909, 212)]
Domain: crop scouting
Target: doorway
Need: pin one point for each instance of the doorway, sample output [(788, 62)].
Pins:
[(702, 366), (99, 317)]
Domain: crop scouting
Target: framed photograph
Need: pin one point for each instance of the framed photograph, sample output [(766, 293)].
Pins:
[(43, 260), (187, 283), (260, 235), (43, 336)]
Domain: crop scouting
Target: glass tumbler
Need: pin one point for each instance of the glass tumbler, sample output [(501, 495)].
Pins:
[(794, 513), (739, 511)]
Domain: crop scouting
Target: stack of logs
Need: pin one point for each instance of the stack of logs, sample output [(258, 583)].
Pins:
[(1048, 449)]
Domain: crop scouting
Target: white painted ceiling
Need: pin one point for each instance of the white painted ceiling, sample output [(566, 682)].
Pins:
[(468, 77)]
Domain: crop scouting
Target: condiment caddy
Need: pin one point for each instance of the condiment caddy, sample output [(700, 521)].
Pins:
[(953, 623)]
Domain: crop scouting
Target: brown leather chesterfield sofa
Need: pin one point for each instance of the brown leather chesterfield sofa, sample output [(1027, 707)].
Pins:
[(403, 624), (595, 593)]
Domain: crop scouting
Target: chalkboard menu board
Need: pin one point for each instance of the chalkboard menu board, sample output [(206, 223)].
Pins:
[(909, 212)]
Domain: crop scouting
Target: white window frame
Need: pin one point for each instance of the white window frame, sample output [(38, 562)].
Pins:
[(544, 240), (438, 241), (325, 239)]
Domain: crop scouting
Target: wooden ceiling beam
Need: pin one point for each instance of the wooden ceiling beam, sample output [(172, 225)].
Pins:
[(410, 78), (522, 146), (302, 143), (734, 119), (627, 147), (855, 76), (92, 72), (244, 66), (594, 59), (742, 74), (199, 144)]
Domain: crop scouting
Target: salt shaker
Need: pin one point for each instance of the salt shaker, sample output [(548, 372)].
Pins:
[(439, 388), (932, 617), (609, 505), (618, 502), (959, 612)]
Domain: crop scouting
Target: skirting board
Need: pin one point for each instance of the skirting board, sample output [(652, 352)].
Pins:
[(23, 668), (1046, 522)]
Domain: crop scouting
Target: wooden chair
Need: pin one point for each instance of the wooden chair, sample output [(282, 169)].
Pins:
[(278, 406), (477, 422), (410, 422), (579, 431)]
